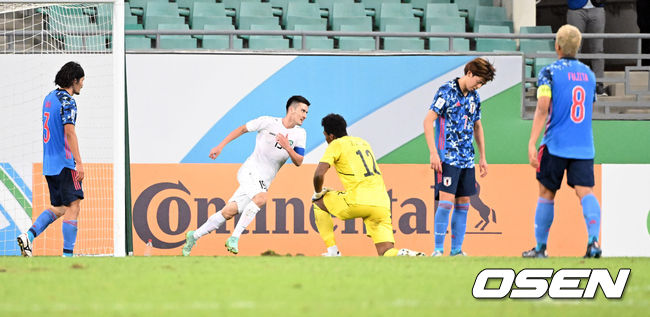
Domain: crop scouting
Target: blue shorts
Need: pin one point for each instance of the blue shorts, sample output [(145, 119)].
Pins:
[(455, 180), (551, 170), (64, 188)]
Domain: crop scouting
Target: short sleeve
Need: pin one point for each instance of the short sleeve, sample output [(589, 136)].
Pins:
[(477, 115), (301, 140), (439, 104), (68, 110), (332, 154), (258, 123)]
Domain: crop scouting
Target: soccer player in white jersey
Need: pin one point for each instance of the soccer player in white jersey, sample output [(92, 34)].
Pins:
[(277, 140)]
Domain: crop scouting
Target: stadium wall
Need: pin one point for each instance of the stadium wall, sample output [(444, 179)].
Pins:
[(179, 112)]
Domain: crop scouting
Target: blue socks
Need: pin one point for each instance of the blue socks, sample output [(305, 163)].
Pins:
[(44, 219), (441, 222), (543, 221), (591, 212), (69, 228), (458, 225)]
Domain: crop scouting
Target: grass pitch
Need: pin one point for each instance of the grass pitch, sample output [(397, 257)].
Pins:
[(292, 286)]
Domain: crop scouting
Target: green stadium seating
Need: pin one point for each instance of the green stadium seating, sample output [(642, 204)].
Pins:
[(490, 45), (442, 44), (220, 42), (301, 13), (529, 46), (95, 43), (541, 62), (356, 43), (250, 13), (208, 13), (491, 16), (441, 10), (327, 6), (535, 29), (73, 43), (130, 19), (280, 7), (346, 13), (457, 22), (470, 7), (188, 4), (176, 41), (267, 42), (234, 4), (161, 12), (136, 42), (403, 43), (373, 7), (422, 4), (312, 42), (395, 14)]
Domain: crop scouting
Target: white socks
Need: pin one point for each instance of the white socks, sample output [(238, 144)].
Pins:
[(214, 222), (333, 250), (247, 217)]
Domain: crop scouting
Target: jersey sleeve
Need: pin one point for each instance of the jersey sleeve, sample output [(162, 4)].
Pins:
[(477, 114), (301, 143), (68, 111), (439, 104), (332, 154), (258, 123), (544, 82)]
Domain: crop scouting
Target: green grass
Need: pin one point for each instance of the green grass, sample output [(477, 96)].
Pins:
[(292, 286)]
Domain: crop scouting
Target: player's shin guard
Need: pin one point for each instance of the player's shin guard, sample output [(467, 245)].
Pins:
[(458, 226), (325, 226), (391, 252), (44, 219), (69, 228), (246, 218), (214, 222), (543, 220), (441, 222), (591, 212)]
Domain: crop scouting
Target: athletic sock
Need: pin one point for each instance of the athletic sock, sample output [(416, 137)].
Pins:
[(391, 252), (325, 226), (246, 218), (69, 229), (44, 219), (591, 212), (333, 250), (441, 222), (458, 226), (543, 220), (214, 222)]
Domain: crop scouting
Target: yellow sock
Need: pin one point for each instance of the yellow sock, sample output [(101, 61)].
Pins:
[(391, 252), (325, 226)]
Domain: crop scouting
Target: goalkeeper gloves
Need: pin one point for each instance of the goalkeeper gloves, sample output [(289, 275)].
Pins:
[(320, 194)]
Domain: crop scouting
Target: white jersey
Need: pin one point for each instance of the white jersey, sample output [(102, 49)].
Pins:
[(269, 156)]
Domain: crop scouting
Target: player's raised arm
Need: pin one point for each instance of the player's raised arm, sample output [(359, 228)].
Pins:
[(541, 113), (434, 158), (231, 136)]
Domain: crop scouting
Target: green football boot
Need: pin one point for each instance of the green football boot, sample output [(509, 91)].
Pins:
[(231, 245), (189, 243)]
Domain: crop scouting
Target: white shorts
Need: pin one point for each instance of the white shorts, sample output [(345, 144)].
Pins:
[(250, 184)]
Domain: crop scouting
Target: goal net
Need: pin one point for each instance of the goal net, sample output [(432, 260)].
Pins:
[(36, 39)]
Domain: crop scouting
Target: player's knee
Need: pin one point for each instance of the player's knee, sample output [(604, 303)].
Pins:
[(260, 199), (230, 210), (581, 191)]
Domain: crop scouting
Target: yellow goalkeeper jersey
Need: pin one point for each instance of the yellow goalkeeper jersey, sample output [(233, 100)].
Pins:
[(355, 163)]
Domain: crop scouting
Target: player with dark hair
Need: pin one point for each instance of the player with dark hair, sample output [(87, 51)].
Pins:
[(62, 165), (365, 193), (277, 140), (456, 111), (568, 88)]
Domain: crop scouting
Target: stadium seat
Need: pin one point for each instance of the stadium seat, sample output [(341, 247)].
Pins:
[(267, 42), (326, 6), (135, 42), (373, 7), (470, 7), (73, 43), (280, 6), (394, 14), (490, 45), (529, 46), (301, 13), (130, 19), (356, 43), (187, 4), (491, 16), (535, 29), (312, 42), (457, 22), (161, 12), (95, 43), (541, 62), (208, 13), (220, 42), (422, 4), (403, 43), (176, 41), (234, 4), (346, 13), (441, 10), (438, 44), (250, 13)]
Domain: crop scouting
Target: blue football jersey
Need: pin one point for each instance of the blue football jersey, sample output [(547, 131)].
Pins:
[(573, 93), (59, 109), (454, 129)]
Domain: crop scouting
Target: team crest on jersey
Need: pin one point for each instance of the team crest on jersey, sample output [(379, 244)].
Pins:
[(446, 181)]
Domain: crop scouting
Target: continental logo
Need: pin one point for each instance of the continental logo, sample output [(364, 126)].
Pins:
[(164, 211)]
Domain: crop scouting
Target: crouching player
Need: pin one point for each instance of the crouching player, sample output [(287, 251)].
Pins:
[(365, 193)]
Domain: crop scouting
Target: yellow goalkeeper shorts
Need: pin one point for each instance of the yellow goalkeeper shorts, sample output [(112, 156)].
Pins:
[(377, 219)]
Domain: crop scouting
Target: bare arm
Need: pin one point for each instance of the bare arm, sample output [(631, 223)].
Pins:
[(284, 143), (480, 143), (541, 113), (434, 158), (73, 142), (233, 135), (319, 176)]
